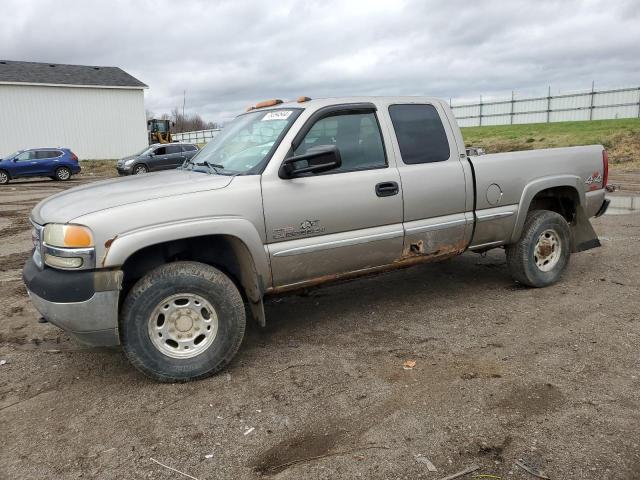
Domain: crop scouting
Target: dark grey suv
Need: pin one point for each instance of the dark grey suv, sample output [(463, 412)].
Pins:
[(159, 156)]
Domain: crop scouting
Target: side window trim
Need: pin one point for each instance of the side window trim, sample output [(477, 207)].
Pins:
[(328, 111), (334, 110)]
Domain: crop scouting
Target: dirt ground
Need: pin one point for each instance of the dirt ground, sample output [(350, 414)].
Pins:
[(502, 373)]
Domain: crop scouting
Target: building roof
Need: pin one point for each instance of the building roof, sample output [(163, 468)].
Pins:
[(70, 75)]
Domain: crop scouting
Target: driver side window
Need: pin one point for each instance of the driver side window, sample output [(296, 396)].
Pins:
[(26, 156), (357, 137)]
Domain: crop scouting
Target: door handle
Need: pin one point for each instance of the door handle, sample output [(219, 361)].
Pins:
[(387, 189)]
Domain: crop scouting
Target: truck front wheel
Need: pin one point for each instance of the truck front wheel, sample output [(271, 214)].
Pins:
[(538, 258), (182, 321)]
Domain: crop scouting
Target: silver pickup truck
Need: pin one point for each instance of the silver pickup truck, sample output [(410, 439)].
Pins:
[(292, 195)]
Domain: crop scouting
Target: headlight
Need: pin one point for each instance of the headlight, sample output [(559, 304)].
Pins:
[(67, 236), (68, 246), (129, 162)]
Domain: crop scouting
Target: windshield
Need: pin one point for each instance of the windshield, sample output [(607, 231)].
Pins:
[(144, 151), (13, 155), (246, 143)]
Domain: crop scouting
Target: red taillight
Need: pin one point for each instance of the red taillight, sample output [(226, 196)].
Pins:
[(74, 157), (605, 168)]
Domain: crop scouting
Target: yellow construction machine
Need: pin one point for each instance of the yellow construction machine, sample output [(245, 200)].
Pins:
[(159, 131)]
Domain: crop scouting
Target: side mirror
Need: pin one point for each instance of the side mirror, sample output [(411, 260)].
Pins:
[(316, 160)]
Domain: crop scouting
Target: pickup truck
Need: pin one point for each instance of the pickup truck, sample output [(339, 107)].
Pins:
[(291, 195)]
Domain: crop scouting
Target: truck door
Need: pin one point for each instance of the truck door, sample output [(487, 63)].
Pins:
[(338, 221), (436, 217)]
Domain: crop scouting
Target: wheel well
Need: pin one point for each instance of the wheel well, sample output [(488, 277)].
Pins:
[(562, 200), (220, 251)]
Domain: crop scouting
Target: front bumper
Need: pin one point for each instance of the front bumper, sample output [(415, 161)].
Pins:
[(82, 303), (123, 170)]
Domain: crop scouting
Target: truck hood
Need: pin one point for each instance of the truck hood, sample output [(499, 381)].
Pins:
[(65, 206)]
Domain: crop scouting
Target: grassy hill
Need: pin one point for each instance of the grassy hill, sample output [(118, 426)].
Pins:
[(621, 138)]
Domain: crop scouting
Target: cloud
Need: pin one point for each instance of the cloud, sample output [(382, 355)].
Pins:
[(229, 54)]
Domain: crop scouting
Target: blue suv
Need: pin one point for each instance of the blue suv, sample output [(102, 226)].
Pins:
[(56, 163)]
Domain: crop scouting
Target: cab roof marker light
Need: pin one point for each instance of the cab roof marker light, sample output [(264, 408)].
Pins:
[(269, 103), (303, 99), (265, 103)]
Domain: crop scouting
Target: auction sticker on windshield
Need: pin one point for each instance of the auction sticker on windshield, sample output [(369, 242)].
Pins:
[(277, 115)]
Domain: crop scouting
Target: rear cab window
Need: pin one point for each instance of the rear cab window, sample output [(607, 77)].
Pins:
[(420, 133)]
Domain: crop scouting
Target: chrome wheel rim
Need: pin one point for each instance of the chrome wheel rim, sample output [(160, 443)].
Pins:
[(183, 325), (547, 250), (139, 170), (63, 174), (3, 177)]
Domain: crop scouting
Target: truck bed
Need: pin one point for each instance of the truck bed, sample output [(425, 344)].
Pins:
[(502, 181)]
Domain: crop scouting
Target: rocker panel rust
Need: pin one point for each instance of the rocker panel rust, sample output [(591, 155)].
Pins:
[(411, 256)]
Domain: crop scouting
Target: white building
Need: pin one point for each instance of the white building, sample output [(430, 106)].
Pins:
[(97, 112)]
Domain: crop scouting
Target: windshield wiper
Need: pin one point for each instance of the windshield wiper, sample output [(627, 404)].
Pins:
[(211, 166)]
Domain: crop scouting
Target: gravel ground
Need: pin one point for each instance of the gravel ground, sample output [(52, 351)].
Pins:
[(502, 373)]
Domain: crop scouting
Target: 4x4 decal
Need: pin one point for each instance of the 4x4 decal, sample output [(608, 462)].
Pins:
[(307, 227)]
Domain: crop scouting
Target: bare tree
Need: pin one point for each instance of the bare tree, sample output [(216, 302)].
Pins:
[(188, 123)]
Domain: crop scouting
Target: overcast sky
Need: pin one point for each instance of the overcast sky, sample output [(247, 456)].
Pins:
[(229, 54)]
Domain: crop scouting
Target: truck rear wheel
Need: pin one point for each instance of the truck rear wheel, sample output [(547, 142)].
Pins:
[(541, 254), (182, 321)]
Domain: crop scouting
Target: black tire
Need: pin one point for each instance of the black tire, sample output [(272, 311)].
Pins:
[(139, 169), (62, 174), (4, 177), (531, 269), (150, 292)]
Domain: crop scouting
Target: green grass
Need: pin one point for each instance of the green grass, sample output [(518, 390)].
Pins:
[(620, 137)]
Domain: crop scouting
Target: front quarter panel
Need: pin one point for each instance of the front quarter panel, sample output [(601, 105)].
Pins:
[(235, 210)]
